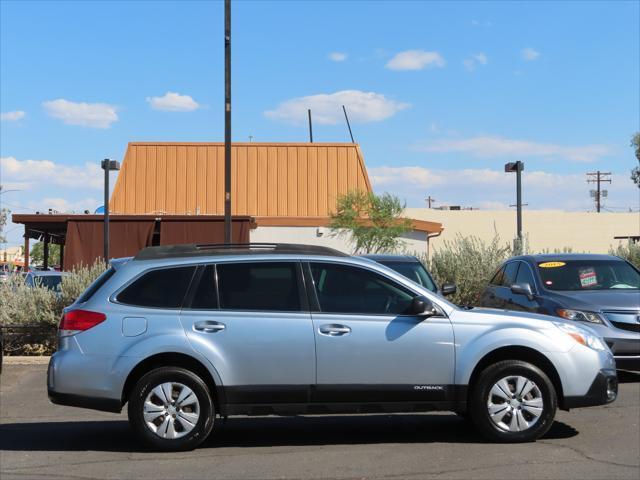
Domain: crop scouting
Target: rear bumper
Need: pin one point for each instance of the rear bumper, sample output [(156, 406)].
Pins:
[(55, 377), (603, 390), (93, 403)]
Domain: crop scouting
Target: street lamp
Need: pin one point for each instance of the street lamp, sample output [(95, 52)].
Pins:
[(517, 167), (107, 165)]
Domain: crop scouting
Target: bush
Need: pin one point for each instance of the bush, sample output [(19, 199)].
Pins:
[(630, 252), (38, 308), (468, 262)]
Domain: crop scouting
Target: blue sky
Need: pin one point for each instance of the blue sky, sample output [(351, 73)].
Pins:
[(441, 94)]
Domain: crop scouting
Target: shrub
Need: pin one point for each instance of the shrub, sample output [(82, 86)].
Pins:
[(40, 308), (468, 262), (630, 252)]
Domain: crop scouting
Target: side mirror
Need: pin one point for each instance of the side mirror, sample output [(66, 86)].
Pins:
[(422, 306), (448, 289), (523, 289)]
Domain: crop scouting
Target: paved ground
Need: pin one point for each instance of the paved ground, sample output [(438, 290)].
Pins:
[(40, 440)]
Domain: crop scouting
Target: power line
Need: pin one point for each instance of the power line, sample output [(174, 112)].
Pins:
[(598, 178)]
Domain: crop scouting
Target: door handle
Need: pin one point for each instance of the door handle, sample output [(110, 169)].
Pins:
[(209, 326), (334, 330)]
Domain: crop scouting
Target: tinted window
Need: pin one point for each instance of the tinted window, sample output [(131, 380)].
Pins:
[(52, 282), (497, 278), (162, 288), (588, 275), (93, 288), (525, 275), (205, 297), (510, 272), (259, 286), (414, 271), (347, 289)]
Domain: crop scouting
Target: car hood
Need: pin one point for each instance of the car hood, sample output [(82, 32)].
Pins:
[(600, 300)]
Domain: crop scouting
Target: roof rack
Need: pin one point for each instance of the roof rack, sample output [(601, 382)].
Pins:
[(191, 250)]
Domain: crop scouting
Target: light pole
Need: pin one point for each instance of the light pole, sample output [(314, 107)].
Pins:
[(107, 165), (227, 122), (517, 167)]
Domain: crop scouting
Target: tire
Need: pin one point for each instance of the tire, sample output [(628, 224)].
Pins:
[(524, 418), (183, 425)]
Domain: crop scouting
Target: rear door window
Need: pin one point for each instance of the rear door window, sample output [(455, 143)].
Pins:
[(161, 288), (497, 278), (268, 286), (205, 296)]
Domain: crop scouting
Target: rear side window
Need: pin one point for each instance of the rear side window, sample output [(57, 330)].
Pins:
[(162, 288), (97, 283), (259, 286), (497, 278)]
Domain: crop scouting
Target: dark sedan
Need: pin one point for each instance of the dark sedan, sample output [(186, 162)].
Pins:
[(601, 291)]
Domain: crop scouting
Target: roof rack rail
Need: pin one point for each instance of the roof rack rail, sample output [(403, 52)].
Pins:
[(190, 250)]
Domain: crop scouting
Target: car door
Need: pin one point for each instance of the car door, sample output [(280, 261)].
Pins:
[(367, 349), (251, 320), (489, 298), (503, 291)]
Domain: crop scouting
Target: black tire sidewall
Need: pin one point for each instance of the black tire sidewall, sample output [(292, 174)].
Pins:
[(171, 374), (480, 393)]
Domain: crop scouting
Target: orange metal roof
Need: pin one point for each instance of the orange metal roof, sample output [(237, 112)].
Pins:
[(268, 179)]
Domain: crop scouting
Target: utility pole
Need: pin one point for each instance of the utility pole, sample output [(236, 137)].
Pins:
[(430, 200), (598, 178), (227, 121)]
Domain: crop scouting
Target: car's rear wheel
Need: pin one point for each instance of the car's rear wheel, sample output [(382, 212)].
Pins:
[(171, 409), (513, 401)]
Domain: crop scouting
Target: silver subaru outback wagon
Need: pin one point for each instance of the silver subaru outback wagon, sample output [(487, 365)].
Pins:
[(185, 334)]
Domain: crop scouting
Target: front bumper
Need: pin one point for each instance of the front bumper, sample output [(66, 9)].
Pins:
[(603, 390)]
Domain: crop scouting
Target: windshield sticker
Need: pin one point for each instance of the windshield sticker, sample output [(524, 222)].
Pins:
[(551, 264), (587, 277)]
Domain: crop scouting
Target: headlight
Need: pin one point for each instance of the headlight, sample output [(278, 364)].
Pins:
[(579, 315), (582, 336)]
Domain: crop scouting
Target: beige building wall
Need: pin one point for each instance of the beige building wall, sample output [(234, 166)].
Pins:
[(545, 229)]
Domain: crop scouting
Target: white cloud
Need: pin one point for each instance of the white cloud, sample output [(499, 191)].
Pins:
[(32, 173), (326, 108), (12, 116), (530, 54), (495, 189), (94, 115), (494, 147), (477, 59), (173, 102), (480, 23), (337, 56), (415, 60)]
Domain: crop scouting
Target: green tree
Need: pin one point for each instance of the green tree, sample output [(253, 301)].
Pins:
[(37, 254), (374, 223), (635, 173)]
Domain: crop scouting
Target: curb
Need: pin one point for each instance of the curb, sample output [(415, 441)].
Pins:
[(26, 360)]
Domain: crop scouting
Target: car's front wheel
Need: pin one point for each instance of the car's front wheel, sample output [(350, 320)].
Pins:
[(171, 409), (513, 401)]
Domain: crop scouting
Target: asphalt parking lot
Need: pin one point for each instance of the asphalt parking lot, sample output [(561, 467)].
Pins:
[(41, 440)]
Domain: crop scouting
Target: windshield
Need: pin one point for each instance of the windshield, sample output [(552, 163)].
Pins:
[(414, 271), (580, 275)]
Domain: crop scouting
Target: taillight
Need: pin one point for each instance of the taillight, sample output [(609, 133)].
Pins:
[(76, 321)]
